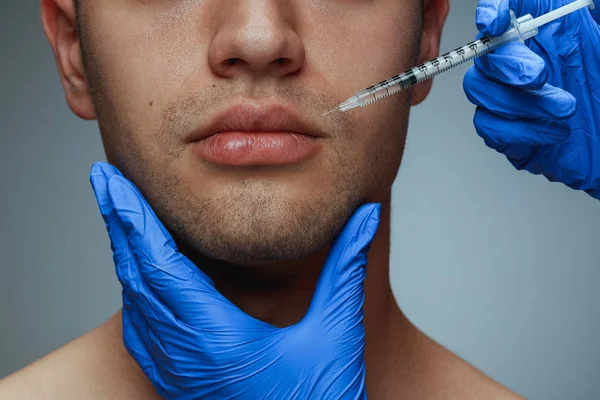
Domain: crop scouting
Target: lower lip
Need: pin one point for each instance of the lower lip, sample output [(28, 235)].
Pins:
[(256, 148)]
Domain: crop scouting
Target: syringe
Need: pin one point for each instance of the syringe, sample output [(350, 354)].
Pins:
[(521, 29)]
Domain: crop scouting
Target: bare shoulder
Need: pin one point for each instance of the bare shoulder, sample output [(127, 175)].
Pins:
[(449, 377), (425, 370), (94, 366)]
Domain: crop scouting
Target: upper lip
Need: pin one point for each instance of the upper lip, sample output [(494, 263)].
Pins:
[(245, 117)]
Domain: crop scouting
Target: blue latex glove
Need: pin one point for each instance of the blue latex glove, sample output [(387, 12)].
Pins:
[(539, 103), (192, 343)]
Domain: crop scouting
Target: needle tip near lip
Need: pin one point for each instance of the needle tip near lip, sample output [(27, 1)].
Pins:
[(329, 112)]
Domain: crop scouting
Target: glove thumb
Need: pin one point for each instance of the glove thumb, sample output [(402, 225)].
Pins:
[(340, 286), (493, 17)]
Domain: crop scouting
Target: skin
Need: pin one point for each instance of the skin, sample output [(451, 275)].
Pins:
[(152, 71)]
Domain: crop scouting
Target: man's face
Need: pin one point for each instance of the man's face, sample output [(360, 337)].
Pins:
[(160, 70)]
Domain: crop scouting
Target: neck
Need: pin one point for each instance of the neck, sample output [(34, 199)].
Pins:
[(280, 294)]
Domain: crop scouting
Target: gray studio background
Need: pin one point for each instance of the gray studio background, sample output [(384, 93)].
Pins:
[(497, 265)]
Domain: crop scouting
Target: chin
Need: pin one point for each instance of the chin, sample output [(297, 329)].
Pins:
[(264, 246), (239, 235)]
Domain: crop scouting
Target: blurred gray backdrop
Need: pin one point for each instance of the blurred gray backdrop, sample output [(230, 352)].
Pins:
[(499, 266)]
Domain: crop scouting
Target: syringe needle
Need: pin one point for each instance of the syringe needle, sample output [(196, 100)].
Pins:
[(329, 112)]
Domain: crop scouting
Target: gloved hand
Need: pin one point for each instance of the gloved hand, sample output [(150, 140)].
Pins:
[(539, 103), (192, 343)]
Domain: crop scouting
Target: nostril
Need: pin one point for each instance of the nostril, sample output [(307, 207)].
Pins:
[(283, 61), (232, 61)]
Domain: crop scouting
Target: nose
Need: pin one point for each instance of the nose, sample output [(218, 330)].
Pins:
[(256, 39)]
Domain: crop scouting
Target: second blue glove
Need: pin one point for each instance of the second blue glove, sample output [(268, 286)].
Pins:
[(539, 103)]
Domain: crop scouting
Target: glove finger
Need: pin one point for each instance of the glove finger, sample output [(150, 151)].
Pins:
[(514, 103), (500, 133), (492, 17), (567, 157), (516, 65), (520, 141), (139, 352), (572, 162), (340, 285), (185, 290), (99, 176)]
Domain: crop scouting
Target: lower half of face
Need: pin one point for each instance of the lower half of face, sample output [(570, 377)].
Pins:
[(262, 214), (255, 214)]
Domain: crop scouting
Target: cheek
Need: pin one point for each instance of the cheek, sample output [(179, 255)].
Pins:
[(386, 142), (147, 60), (365, 44), (375, 151)]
